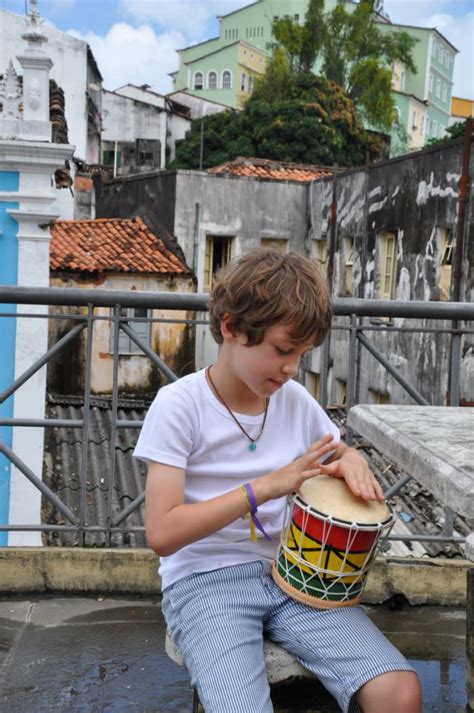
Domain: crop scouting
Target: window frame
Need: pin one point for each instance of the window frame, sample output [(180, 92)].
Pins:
[(127, 346), (195, 76), (388, 264), (210, 269), (223, 79), (212, 73)]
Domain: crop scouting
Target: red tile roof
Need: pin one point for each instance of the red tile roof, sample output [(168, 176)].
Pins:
[(111, 245), (274, 170)]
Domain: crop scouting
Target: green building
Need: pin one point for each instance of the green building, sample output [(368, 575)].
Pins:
[(224, 68)]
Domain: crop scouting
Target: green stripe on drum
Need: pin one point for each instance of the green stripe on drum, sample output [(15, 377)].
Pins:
[(316, 585)]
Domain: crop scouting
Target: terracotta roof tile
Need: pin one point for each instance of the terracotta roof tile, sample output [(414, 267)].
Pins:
[(111, 245), (274, 170)]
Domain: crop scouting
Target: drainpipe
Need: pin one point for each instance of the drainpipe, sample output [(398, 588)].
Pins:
[(456, 336), (463, 199)]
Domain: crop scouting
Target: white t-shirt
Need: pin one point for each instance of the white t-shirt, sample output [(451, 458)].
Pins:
[(187, 427)]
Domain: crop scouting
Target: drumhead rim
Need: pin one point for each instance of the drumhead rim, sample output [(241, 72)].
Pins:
[(372, 525)]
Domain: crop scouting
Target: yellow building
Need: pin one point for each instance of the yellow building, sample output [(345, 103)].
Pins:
[(461, 109)]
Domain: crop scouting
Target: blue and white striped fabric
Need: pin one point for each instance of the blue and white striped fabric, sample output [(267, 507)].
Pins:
[(218, 618)]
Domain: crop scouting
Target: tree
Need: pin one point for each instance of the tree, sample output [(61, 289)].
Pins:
[(315, 123), (455, 131), (352, 52)]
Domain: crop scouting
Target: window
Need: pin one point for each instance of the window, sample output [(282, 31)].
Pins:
[(226, 80), (402, 81), (243, 82), (446, 263), (279, 245), (251, 83), (321, 253), (212, 80), (434, 129), (341, 392), (349, 254), (198, 80), (218, 253), (433, 49), (444, 92), (142, 329), (388, 265), (431, 83), (297, 18), (438, 88), (414, 122), (108, 158)]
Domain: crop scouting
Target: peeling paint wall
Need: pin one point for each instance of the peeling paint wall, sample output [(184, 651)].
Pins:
[(415, 199), (174, 343)]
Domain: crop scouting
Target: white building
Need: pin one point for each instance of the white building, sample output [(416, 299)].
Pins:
[(75, 70), (28, 161)]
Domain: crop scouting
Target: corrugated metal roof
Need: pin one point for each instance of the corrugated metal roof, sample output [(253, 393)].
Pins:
[(418, 511), (62, 465)]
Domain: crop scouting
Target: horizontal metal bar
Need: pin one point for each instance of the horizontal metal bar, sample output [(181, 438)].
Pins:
[(34, 480), (393, 308), (73, 296), (391, 370), (69, 528), (427, 538), (199, 302), (41, 422), (72, 334), (129, 424)]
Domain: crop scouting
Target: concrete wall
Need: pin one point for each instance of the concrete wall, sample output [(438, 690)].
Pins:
[(126, 120), (417, 199), (174, 343)]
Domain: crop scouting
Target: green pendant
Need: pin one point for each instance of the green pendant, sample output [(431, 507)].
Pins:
[(252, 446)]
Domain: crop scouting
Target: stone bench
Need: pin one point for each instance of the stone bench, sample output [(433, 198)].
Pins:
[(281, 666)]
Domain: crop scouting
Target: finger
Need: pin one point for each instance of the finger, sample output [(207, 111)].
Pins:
[(325, 440)]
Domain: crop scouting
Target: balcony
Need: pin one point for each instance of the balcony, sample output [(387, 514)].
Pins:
[(86, 604)]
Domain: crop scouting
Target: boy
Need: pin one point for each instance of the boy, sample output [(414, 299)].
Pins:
[(240, 436)]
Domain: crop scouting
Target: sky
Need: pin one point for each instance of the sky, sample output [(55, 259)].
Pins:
[(136, 40)]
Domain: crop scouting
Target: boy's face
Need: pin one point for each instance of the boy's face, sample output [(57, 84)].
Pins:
[(265, 367)]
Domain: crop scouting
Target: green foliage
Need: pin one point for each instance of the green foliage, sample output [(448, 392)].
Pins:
[(315, 123), (273, 85), (352, 51), (455, 131)]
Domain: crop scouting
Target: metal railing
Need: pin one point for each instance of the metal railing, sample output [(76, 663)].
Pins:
[(354, 309)]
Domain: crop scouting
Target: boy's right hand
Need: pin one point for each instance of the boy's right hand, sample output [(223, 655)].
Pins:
[(289, 479)]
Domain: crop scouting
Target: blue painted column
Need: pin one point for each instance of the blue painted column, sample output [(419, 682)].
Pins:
[(9, 181)]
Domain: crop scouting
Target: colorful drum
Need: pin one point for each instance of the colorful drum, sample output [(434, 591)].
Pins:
[(328, 543)]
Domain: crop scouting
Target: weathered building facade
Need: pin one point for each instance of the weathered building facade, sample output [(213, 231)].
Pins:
[(395, 236), (123, 255)]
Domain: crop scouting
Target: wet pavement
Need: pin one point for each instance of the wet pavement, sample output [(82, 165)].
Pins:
[(106, 655)]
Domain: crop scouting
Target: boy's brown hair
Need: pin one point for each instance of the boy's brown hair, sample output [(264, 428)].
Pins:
[(262, 288)]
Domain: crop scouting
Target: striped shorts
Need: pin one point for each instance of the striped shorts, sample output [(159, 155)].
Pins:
[(218, 619)]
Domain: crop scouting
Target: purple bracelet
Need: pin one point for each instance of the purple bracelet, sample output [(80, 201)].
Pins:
[(251, 496), (253, 510)]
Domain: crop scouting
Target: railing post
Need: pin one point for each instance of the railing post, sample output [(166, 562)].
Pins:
[(351, 370), (113, 427), (85, 430)]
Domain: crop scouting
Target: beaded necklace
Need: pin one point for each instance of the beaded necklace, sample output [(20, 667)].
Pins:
[(253, 441)]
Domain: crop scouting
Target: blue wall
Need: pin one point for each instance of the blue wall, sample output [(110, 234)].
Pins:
[(9, 181)]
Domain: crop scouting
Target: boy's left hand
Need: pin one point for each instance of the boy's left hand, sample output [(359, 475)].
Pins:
[(347, 463)]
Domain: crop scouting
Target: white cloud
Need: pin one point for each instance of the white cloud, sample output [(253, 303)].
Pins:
[(187, 16), (135, 54)]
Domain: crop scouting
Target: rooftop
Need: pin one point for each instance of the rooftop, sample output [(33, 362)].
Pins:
[(106, 653), (111, 245), (275, 170)]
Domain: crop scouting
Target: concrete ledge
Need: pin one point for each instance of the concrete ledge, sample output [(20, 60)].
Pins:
[(126, 571)]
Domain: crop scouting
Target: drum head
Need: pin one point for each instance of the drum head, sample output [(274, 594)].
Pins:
[(332, 496)]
